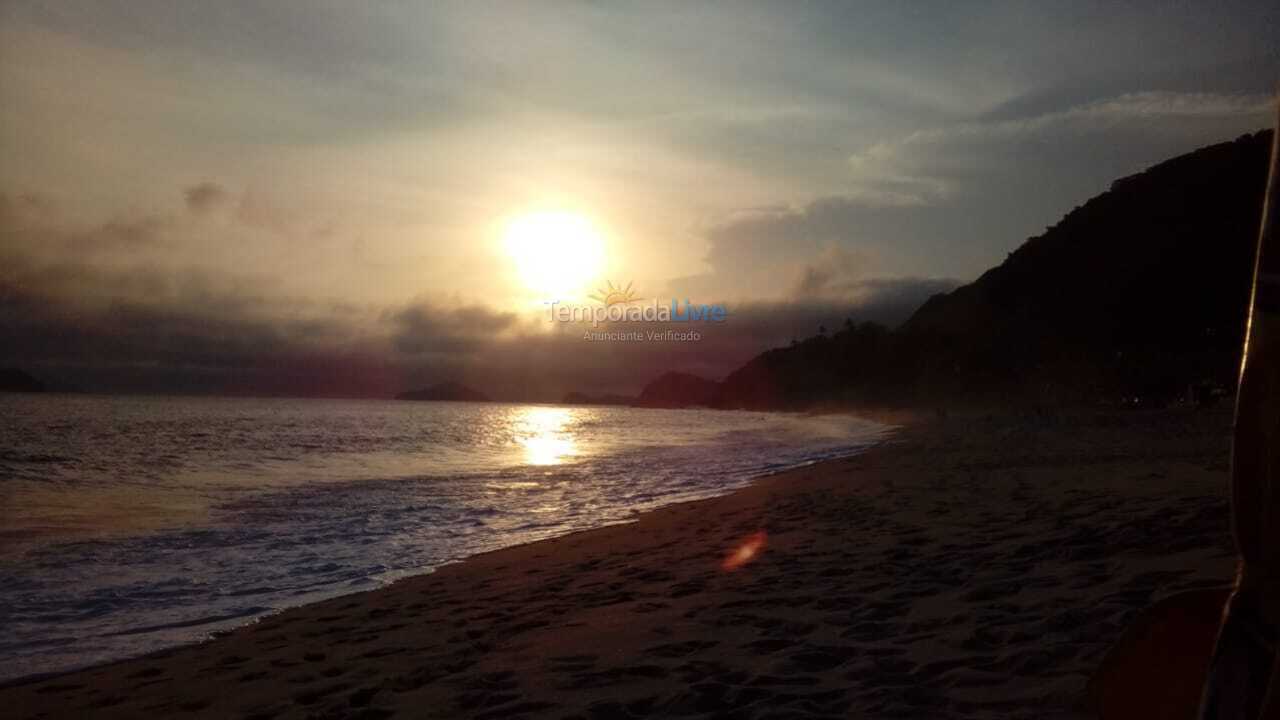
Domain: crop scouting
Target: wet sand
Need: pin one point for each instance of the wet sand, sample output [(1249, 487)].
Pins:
[(971, 567)]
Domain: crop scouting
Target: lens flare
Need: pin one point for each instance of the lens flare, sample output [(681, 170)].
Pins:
[(747, 551)]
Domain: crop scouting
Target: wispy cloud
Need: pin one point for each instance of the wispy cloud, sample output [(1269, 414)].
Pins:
[(929, 165)]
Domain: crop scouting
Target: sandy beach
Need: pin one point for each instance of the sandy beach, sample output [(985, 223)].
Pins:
[(973, 567)]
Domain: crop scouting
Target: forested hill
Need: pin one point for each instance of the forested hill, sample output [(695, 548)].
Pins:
[(1137, 293)]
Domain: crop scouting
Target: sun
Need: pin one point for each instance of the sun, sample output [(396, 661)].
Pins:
[(556, 253)]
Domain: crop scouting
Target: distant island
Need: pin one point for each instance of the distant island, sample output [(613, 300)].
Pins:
[(15, 380), (577, 398), (445, 392)]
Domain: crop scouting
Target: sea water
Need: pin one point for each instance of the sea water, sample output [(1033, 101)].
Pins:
[(129, 524)]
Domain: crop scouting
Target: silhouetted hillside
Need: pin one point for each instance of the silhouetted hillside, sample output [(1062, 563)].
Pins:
[(15, 380), (1137, 293), (840, 368), (673, 389), (446, 391)]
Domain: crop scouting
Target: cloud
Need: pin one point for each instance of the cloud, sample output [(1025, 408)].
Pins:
[(255, 242), (139, 232), (761, 252), (153, 330), (888, 301), (1247, 76), (205, 197), (18, 211), (423, 328), (359, 153), (930, 165), (32, 222), (837, 277), (823, 250), (149, 329), (123, 321), (833, 273)]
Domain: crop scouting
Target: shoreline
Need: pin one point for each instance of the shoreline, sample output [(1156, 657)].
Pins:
[(886, 583), (891, 422), (217, 635)]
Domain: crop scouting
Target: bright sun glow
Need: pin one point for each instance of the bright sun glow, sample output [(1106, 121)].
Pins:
[(557, 254), (546, 435)]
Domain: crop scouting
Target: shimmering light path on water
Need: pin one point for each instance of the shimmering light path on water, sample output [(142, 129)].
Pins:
[(131, 523)]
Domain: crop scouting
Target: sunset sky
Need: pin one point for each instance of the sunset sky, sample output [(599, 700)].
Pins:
[(320, 197)]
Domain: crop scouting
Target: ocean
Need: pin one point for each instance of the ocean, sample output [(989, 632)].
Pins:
[(130, 524)]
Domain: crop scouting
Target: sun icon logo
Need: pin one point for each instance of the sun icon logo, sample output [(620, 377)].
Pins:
[(611, 294)]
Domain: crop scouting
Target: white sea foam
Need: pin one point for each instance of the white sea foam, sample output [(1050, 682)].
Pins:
[(131, 524)]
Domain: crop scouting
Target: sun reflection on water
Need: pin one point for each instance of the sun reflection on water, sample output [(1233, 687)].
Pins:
[(545, 434)]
